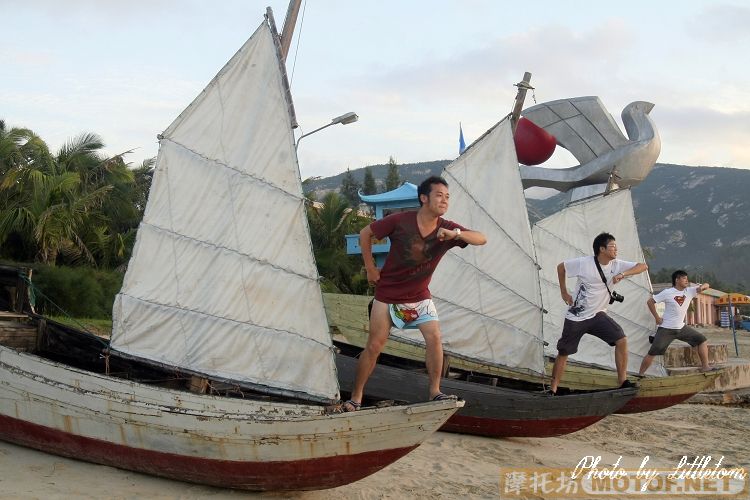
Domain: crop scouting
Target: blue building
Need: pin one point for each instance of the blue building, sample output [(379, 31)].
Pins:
[(401, 199)]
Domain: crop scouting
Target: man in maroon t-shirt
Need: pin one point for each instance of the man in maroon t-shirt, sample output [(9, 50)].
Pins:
[(402, 297)]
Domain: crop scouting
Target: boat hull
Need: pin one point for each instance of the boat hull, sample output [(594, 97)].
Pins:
[(490, 410), (316, 473), (198, 438), (654, 393), (506, 427)]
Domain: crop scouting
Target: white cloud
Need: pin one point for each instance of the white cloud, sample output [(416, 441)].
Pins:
[(721, 24), (125, 69)]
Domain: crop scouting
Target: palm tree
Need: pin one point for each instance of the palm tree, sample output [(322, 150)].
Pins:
[(75, 206), (329, 223), (45, 201), (51, 209), (20, 146)]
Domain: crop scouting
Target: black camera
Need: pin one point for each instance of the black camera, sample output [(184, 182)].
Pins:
[(615, 297)]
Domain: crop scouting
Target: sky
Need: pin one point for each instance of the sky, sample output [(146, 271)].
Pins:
[(412, 70)]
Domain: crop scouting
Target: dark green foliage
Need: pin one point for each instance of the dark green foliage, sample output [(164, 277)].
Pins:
[(75, 291), (350, 189), (392, 179), (368, 185), (71, 207), (411, 172), (329, 225)]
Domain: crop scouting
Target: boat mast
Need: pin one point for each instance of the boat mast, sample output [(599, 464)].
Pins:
[(288, 29), (282, 55), (523, 86)]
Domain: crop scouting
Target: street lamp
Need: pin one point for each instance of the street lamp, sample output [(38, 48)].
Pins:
[(344, 119)]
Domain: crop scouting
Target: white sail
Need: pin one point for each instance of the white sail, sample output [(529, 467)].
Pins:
[(488, 297), (222, 280), (569, 234)]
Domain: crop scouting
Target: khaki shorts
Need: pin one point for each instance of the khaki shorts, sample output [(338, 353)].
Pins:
[(665, 336)]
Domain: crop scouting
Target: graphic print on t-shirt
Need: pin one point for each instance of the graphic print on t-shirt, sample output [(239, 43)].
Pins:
[(416, 251), (579, 302), (676, 305)]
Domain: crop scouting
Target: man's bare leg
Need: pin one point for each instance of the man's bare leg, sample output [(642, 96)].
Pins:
[(621, 360), (434, 354), (703, 354), (380, 329), (645, 364), (558, 369)]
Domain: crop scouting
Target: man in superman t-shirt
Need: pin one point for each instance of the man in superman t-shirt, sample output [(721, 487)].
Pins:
[(672, 326)]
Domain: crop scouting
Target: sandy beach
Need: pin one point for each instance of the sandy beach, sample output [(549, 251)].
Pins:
[(446, 466)]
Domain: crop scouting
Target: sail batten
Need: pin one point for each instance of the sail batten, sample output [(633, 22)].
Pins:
[(238, 171), (490, 216), (497, 281), (237, 252), (222, 281), (494, 319), (277, 331)]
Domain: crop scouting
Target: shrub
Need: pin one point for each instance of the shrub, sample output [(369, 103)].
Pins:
[(78, 291)]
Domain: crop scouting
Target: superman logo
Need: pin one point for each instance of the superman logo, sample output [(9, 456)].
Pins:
[(680, 300)]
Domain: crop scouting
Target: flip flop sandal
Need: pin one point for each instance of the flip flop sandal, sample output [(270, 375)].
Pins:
[(444, 397), (353, 404)]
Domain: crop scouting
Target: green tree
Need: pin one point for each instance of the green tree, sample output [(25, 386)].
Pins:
[(350, 189), (369, 186), (75, 206), (50, 210), (392, 180), (308, 186), (329, 224), (19, 146)]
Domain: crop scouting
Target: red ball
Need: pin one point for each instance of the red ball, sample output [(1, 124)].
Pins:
[(534, 145)]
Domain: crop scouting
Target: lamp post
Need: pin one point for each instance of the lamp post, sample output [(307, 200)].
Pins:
[(344, 119)]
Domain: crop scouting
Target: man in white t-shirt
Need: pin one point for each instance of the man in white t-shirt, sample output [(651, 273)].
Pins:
[(672, 326), (587, 311)]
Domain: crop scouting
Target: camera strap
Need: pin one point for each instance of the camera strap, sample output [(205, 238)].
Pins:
[(601, 273)]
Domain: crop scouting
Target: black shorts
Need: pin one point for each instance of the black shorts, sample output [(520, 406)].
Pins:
[(601, 326), (665, 336)]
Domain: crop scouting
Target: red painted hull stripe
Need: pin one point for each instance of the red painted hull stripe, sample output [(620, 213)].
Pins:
[(494, 427), (320, 473), (640, 404)]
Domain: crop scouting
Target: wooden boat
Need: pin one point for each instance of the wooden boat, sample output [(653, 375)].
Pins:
[(654, 393), (491, 410), (490, 309), (205, 297), (347, 316)]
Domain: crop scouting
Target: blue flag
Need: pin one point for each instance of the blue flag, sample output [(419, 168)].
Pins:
[(461, 143)]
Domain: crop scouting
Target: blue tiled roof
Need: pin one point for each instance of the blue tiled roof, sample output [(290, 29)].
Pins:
[(407, 191)]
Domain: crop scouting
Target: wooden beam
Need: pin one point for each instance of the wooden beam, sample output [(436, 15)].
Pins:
[(523, 86), (287, 31)]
